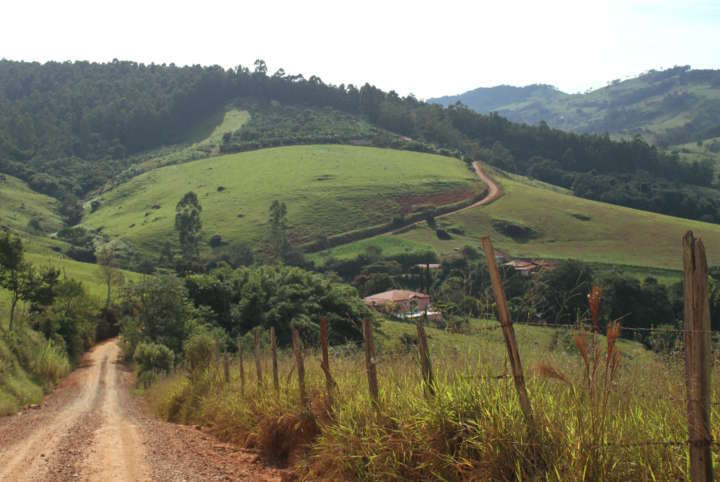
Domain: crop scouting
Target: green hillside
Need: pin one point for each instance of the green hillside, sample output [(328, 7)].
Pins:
[(328, 189), (532, 219), (26, 211), (667, 107)]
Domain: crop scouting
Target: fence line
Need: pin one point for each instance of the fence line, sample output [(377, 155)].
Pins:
[(698, 360)]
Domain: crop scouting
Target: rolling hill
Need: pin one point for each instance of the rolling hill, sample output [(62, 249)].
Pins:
[(537, 220), (668, 107), (329, 189)]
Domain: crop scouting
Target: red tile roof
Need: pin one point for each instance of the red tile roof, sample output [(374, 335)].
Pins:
[(395, 296)]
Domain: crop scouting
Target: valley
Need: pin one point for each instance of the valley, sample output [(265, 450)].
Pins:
[(191, 258)]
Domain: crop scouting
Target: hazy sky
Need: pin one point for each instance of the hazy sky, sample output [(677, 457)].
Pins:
[(428, 48)]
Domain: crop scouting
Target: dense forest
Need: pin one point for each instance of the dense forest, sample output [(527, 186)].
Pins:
[(67, 128)]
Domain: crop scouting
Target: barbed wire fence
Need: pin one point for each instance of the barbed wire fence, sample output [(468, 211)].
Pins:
[(698, 360)]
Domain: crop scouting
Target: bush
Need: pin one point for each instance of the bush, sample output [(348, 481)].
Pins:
[(215, 241), (152, 359), (200, 350)]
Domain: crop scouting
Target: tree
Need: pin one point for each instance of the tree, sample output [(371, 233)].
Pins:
[(560, 295), (158, 311), (16, 274), (188, 225), (109, 274), (278, 229)]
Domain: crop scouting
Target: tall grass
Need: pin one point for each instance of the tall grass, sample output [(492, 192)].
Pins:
[(595, 411)]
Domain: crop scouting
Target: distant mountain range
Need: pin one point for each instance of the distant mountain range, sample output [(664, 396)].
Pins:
[(667, 107)]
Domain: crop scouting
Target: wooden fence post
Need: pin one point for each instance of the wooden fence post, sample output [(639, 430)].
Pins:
[(508, 331), (297, 348), (242, 366), (370, 362), (273, 347), (697, 357), (424, 353), (226, 367), (325, 364), (258, 368)]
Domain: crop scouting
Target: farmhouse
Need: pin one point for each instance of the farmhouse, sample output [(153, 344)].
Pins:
[(399, 301), (403, 304)]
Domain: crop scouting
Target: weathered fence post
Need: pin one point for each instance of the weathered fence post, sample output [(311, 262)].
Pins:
[(697, 357), (273, 347), (242, 366), (297, 348), (370, 362), (258, 368), (424, 353), (226, 367), (508, 331), (325, 364)]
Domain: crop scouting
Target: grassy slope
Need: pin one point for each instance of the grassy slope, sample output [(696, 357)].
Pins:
[(474, 416), (19, 204), (328, 189), (612, 235)]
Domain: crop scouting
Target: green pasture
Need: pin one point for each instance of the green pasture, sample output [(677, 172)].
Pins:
[(328, 189)]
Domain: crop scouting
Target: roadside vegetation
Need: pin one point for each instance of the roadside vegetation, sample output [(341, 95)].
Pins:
[(48, 318), (471, 429)]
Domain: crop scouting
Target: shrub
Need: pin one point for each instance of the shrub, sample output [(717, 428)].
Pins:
[(154, 356), (200, 350), (215, 241), (152, 359)]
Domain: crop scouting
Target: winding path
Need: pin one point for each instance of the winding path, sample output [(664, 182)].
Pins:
[(494, 192)]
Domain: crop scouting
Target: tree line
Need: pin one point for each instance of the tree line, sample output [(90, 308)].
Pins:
[(68, 127)]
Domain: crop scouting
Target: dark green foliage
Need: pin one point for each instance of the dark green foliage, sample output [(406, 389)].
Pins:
[(71, 319), (277, 125), (278, 230), (200, 350), (650, 193), (152, 359), (638, 304), (68, 128), (15, 273), (279, 296), (442, 234), (560, 294), (156, 309), (516, 231), (188, 225), (215, 241)]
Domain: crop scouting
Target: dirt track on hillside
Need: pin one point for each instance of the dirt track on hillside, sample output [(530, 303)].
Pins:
[(493, 193), (91, 428)]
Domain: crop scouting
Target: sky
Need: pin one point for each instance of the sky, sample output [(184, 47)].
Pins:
[(427, 48)]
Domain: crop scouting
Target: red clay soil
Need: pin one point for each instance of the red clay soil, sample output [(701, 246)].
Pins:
[(494, 192), (91, 428), (412, 202)]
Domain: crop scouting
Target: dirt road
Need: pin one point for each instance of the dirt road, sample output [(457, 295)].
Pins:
[(91, 428), (493, 193)]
